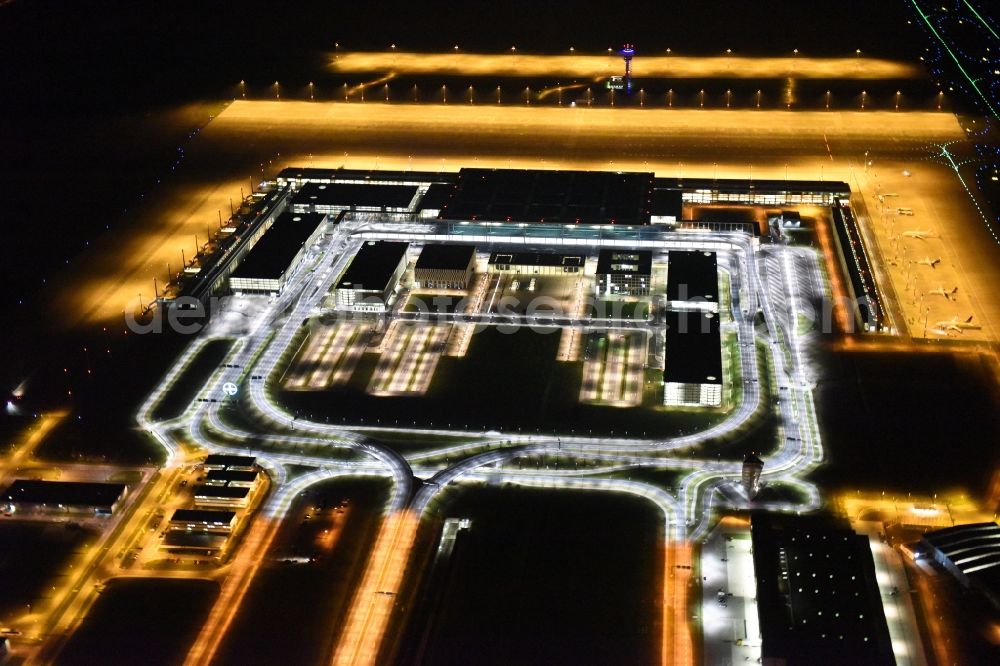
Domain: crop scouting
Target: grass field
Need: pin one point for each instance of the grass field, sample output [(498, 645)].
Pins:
[(895, 420), (33, 556), (542, 578), (148, 621)]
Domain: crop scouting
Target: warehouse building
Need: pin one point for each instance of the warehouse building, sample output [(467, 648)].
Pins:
[(182, 541), (624, 272), (442, 266), (228, 496), (693, 280), (562, 197), (817, 595), (536, 263), (970, 553), (230, 462), (35, 496), (332, 198), (236, 478), (277, 253), (199, 520), (369, 283), (692, 373)]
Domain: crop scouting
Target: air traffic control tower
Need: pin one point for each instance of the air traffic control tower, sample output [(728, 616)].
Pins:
[(752, 467), (627, 51)]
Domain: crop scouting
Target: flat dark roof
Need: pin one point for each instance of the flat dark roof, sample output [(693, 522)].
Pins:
[(229, 460), (372, 267), (445, 257), (692, 276), (347, 195), (222, 492), (667, 202), (202, 516), (437, 195), (334, 175), (65, 493), (817, 596), (273, 253), (693, 348), (624, 262), (194, 540), (535, 195), (537, 259), (230, 475), (756, 185)]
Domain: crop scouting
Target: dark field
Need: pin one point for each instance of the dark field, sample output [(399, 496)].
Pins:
[(543, 578), (292, 611), (908, 422), (151, 621), (192, 380), (34, 557)]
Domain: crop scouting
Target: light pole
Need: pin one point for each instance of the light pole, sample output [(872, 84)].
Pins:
[(670, 97), (312, 91), (243, 90), (277, 91)]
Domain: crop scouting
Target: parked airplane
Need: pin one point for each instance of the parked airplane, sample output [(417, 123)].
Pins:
[(921, 234), (954, 324), (927, 261), (941, 291)]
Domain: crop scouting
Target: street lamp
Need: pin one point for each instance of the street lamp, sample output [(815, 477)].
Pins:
[(243, 89), (312, 91), (277, 90)]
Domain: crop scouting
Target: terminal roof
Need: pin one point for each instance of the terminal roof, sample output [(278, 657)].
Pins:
[(624, 262), (347, 195), (537, 259), (667, 202), (274, 252), (693, 348), (437, 195), (445, 256), (569, 197), (692, 276), (373, 266)]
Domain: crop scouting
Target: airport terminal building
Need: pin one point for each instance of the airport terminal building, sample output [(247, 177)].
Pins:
[(692, 373), (370, 280), (624, 272), (444, 266), (693, 280), (536, 263), (277, 253)]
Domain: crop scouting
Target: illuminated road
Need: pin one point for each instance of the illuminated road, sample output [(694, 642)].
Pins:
[(761, 280)]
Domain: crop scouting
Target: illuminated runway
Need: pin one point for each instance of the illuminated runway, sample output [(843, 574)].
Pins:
[(520, 65)]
